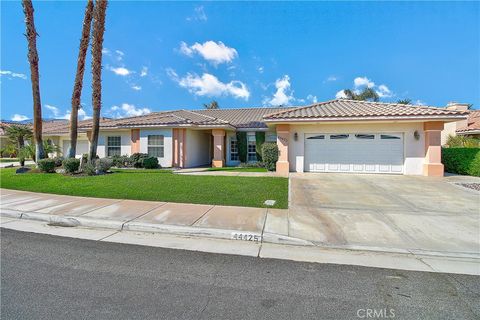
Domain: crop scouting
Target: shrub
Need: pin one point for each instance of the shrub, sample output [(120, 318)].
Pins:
[(89, 169), (150, 163), (462, 142), (259, 141), (121, 161), (242, 145), (103, 164), (71, 165), (46, 165), (137, 159), (270, 155), (256, 164), (58, 161), (462, 160)]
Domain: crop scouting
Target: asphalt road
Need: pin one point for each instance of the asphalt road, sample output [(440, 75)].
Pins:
[(48, 277)]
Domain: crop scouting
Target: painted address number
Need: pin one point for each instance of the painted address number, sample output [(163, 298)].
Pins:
[(246, 237)]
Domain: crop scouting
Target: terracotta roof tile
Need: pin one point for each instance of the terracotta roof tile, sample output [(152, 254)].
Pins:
[(473, 122), (353, 109)]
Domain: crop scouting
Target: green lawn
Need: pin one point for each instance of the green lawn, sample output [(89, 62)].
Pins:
[(8, 160), (238, 169), (158, 185)]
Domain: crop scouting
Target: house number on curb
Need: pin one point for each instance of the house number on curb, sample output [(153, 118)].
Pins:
[(246, 237)]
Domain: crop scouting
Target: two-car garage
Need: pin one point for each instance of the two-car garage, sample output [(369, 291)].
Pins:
[(354, 152)]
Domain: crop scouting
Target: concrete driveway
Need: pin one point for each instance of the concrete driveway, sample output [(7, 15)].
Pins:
[(386, 212)]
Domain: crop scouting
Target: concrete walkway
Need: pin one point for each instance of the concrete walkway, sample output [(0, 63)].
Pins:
[(264, 232), (15, 164)]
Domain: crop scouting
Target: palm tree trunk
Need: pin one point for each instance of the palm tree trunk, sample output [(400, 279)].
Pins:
[(77, 88), (31, 35), (97, 43)]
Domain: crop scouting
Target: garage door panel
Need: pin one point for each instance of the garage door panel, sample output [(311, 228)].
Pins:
[(354, 152)]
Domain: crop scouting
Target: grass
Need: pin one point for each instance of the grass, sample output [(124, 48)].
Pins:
[(156, 185), (238, 169), (8, 160)]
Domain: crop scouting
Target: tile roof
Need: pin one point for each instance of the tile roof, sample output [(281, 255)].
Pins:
[(343, 109), (53, 127), (473, 122), (245, 117)]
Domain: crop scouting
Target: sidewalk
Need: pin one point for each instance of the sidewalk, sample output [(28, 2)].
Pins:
[(258, 232)]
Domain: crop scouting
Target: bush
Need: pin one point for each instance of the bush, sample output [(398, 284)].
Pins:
[(103, 164), (137, 159), (150, 163), (71, 165), (242, 145), (46, 165), (58, 161), (462, 160), (256, 164), (89, 169), (270, 155), (462, 142), (121, 161)]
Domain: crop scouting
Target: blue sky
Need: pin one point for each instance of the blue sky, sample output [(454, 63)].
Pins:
[(166, 55)]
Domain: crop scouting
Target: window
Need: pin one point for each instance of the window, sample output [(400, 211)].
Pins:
[(270, 137), (251, 148), (114, 146), (388, 137), (339, 136), (155, 146), (234, 150), (319, 137), (365, 136)]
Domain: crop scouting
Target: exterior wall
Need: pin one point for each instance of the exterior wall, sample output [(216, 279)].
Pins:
[(450, 128), (414, 151), (125, 142), (80, 137), (197, 148), (166, 161)]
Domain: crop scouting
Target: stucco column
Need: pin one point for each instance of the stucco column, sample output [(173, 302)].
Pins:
[(135, 141), (433, 149), (283, 133), (218, 148), (179, 147)]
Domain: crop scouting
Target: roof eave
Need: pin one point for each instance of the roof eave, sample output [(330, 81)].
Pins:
[(342, 119)]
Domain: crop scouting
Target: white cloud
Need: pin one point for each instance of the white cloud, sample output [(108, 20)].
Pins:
[(12, 74), (120, 71), (19, 117), (209, 85), (82, 115), (383, 91), (260, 69), (331, 78), (106, 51), (55, 111), (312, 98), (214, 52), (340, 95), (283, 95), (129, 110), (136, 88), (120, 55), (144, 71), (419, 103), (362, 82), (199, 15)]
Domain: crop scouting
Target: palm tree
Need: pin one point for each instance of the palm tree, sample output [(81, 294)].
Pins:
[(405, 101), (31, 35), (366, 95), (77, 87), (211, 105), (18, 134), (97, 43)]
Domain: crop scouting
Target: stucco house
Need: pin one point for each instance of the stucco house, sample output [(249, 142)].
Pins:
[(468, 127), (333, 136)]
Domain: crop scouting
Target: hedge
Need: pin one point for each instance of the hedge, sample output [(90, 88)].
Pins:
[(462, 160), (242, 146), (259, 140)]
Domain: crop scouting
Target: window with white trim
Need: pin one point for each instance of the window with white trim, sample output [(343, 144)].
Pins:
[(155, 146), (114, 146), (251, 148), (234, 150)]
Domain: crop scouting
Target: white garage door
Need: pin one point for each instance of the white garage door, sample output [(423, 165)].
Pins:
[(82, 147), (354, 152)]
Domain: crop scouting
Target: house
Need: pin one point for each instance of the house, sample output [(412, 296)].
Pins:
[(333, 136), (472, 125), (457, 127)]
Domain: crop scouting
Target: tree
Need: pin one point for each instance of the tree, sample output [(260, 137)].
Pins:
[(211, 105), (97, 43), (18, 134), (31, 35), (366, 95), (78, 84), (404, 101)]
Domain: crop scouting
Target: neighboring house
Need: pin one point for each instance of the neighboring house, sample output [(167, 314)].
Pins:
[(450, 128), (472, 126), (334, 136)]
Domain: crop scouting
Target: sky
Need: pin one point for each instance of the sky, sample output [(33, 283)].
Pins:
[(169, 55)]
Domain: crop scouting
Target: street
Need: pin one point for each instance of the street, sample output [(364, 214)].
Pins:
[(49, 277)]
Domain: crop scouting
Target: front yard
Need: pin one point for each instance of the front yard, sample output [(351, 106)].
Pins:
[(156, 185)]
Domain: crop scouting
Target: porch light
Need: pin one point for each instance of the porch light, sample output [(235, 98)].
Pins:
[(416, 135), (295, 136)]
